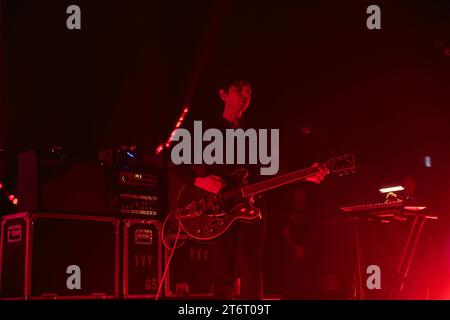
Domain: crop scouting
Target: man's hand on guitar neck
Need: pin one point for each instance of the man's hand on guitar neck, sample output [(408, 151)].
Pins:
[(320, 175), (211, 183)]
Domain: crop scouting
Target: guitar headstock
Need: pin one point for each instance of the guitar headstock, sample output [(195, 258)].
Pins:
[(342, 165)]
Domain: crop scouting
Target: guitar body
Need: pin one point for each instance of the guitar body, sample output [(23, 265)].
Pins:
[(206, 216)]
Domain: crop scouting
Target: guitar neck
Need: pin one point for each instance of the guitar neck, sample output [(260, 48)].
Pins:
[(278, 181)]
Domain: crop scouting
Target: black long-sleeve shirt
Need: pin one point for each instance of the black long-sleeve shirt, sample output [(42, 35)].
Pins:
[(187, 173)]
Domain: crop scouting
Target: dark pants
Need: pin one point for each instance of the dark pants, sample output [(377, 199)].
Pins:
[(239, 254)]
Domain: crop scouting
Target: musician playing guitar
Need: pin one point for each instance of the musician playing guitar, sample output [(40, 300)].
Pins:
[(238, 252)]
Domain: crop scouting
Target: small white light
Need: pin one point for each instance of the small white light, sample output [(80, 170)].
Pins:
[(391, 189), (427, 161)]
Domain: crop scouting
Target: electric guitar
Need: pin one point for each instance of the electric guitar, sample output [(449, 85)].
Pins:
[(205, 216)]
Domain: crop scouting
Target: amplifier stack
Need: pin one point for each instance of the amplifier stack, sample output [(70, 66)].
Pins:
[(85, 230), (92, 231)]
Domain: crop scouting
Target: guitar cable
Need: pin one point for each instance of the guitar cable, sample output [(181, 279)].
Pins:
[(166, 269)]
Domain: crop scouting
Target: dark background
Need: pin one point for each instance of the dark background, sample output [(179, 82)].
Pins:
[(124, 77)]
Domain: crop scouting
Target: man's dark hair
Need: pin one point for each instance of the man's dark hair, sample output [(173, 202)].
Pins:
[(229, 78)]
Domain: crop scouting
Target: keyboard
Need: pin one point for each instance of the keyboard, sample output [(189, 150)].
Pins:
[(383, 208)]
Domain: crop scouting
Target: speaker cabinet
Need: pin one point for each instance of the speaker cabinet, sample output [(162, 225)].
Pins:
[(59, 256), (141, 258)]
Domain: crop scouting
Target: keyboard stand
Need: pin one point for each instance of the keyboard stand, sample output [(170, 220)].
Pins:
[(358, 290), (405, 260), (407, 255)]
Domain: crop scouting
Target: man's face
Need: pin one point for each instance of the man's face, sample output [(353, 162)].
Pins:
[(237, 98)]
